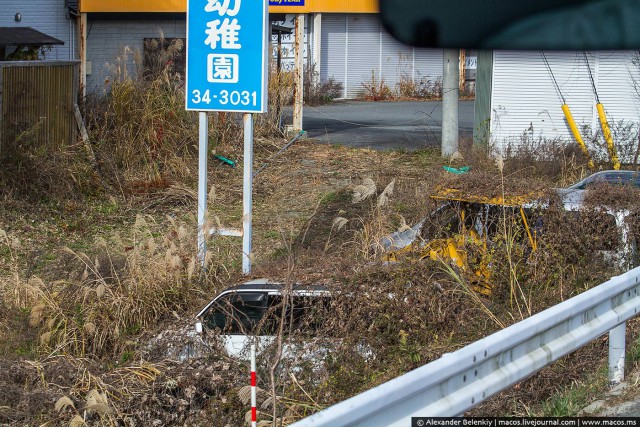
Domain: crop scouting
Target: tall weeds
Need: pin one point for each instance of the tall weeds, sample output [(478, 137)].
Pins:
[(141, 131), (124, 289)]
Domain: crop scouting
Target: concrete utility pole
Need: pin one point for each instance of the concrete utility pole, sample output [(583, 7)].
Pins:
[(450, 95), (298, 85), (317, 42)]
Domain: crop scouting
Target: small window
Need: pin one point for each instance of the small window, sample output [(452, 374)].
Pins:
[(259, 313)]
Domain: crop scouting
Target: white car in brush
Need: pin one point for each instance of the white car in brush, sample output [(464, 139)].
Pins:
[(253, 311)]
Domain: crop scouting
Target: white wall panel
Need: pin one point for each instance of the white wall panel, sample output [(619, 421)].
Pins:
[(363, 57), (526, 102)]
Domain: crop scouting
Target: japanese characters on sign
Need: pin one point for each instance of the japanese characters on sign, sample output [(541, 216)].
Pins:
[(226, 55)]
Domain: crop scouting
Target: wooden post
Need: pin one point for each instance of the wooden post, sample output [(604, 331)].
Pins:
[(82, 52), (463, 63)]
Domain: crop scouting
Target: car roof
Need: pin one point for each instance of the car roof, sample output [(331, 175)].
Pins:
[(263, 285), (456, 195), (624, 177)]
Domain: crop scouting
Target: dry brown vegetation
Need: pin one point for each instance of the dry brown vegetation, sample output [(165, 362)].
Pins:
[(99, 281)]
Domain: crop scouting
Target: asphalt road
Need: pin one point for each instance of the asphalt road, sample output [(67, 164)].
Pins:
[(383, 125)]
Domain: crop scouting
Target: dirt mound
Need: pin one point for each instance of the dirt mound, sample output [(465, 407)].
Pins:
[(168, 393)]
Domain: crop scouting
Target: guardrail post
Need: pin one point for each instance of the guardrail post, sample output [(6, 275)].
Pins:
[(617, 354)]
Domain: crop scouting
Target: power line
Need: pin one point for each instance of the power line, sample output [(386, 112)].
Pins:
[(553, 78), (593, 83)]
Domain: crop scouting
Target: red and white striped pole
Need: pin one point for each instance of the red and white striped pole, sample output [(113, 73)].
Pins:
[(254, 410)]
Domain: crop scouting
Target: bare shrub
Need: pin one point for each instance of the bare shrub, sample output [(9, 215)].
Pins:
[(556, 159), (423, 88), (317, 92), (376, 89), (626, 137), (141, 132), (36, 171)]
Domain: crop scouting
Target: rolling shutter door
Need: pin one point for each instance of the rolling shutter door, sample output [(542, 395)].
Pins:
[(428, 65), (615, 82), (333, 52), (617, 92), (525, 103), (397, 60), (355, 45), (363, 52)]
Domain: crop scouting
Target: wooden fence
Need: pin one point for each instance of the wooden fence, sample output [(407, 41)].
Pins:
[(37, 99)]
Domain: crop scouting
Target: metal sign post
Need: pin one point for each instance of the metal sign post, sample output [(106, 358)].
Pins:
[(247, 191), (203, 151), (227, 48)]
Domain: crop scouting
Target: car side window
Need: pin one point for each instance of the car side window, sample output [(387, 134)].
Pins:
[(309, 312), (237, 313), (247, 313), (271, 320), (443, 223)]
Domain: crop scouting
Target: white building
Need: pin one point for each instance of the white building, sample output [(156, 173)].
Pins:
[(526, 102)]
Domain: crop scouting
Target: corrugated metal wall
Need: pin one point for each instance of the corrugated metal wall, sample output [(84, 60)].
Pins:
[(355, 45), (364, 52), (525, 102), (428, 65), (397, 59), (334, 45), (615, 81), (37, 100)]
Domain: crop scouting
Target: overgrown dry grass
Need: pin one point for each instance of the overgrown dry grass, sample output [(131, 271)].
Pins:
[(95, 287), (124, 289)]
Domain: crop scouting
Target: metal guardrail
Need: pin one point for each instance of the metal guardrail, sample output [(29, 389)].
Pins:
[(460, 380)]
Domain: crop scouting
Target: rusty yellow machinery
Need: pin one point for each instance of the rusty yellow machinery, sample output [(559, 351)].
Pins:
[(467, 243), (568, 116), (576, 134)]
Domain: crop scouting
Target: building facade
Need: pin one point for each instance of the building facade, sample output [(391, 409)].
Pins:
[(343, 41), (55, 18)]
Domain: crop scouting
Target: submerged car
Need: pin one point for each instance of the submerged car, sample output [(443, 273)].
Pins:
[(462, 230), (254, 311)]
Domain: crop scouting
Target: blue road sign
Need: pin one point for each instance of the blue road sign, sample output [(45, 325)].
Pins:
[(227, 55)]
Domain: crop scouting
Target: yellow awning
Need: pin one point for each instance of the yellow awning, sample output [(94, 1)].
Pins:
[(310, 6)]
